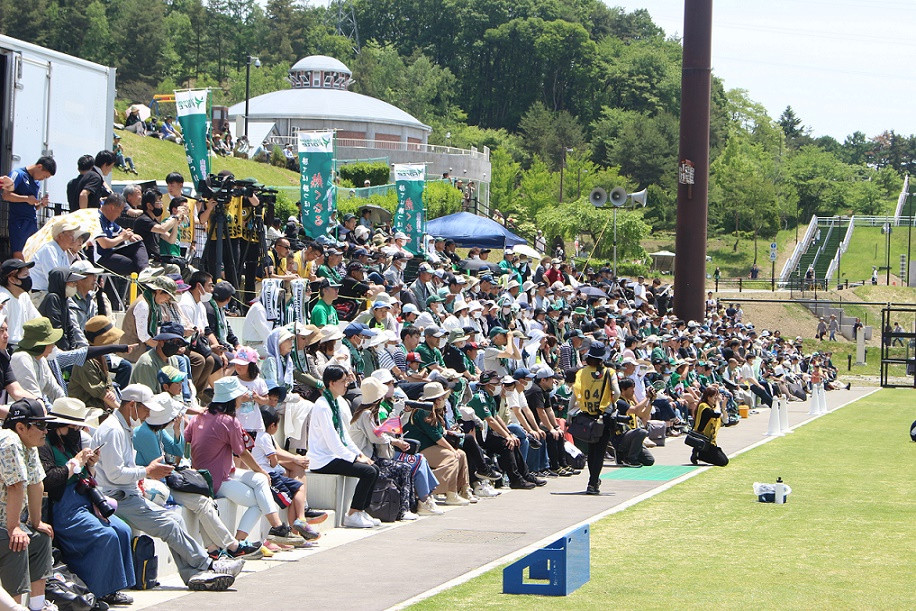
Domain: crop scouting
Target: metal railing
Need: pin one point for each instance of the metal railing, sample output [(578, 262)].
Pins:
[(901, 200), (800, 249), (880, 221), (844, 245), (388, 145)]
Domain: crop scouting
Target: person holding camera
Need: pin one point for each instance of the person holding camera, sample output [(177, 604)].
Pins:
[(94, 543), (25, 549), (708, 421), (629, 433)]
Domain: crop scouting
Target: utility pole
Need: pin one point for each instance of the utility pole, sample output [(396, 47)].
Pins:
[(693, 168)]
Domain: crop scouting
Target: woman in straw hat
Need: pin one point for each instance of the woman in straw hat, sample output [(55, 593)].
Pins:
[(97, 549), (450, 465), (90, 382)]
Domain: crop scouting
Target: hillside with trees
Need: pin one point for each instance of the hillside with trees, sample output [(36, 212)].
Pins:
[(568, 95)]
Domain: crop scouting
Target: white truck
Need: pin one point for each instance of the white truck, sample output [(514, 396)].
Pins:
[(51, 104)]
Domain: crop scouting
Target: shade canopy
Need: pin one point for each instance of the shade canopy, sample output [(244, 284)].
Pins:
[(469, 230)]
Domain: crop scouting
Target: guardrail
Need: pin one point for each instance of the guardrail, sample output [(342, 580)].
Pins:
[(388, 145), (844, 245), (901, 200), (800, 249), (879, 221)]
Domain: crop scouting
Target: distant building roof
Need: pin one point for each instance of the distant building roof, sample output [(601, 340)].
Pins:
[(320, 62), (332, 104)]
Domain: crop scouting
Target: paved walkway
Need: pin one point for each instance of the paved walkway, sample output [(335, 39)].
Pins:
[(381, 568)]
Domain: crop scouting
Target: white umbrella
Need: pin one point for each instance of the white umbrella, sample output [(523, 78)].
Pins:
[(524, 249), (88, 219), (145, 111)]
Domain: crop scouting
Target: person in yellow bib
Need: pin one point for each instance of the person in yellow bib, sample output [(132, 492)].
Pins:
[(595, 389)]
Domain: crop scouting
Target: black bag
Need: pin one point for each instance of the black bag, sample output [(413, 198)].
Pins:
[(68, 591), (385, 502), (585, 427), (186, 479), (146, 565), (696, 440)]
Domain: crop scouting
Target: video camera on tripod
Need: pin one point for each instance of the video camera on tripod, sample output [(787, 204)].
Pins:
[(223, 189)]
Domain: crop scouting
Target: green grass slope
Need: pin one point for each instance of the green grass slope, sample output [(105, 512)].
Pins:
[(155, 158)]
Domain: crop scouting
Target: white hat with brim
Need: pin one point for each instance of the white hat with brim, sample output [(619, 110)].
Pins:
[(68, 410), (169, 410), (432, 391), (372, 390)]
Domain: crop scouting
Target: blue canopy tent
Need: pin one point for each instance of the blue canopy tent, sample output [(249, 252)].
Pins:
[(470, 230)]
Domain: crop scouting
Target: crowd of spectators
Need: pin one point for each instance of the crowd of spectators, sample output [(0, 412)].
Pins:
[(451, 379)]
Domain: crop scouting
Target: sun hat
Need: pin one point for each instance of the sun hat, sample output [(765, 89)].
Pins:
[(39, 332), (228, 389), (330, 333), (170, 375), (432, 391), (162, 283), (68, 410), (64, 224), (383, 375), (245, 356), (143, 395), (597, 351), (100, 331), (372, 390), (284, 334), (457, 335), (169, 410)]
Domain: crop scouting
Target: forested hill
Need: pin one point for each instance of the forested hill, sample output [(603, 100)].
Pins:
[(546, 84)]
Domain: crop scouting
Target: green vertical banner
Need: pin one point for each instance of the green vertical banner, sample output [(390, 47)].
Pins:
[(194, 119), (410, 217), (316, 181)]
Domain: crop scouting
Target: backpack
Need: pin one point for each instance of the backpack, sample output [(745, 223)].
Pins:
[(657, 430), (576, 457), (146, 565), (68, 591), (385, 503)]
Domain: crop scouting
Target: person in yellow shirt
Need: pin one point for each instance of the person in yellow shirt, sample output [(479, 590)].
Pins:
[(596, 390), (308, 259), (708, 421)]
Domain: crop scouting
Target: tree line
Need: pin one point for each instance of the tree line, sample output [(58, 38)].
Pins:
[(571, 87)]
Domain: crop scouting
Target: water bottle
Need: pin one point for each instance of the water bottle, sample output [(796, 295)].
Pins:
[(780, 491)]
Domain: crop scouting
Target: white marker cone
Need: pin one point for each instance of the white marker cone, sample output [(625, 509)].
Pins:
[(784, 415), (773, 425), (822, 399), (812, 401)]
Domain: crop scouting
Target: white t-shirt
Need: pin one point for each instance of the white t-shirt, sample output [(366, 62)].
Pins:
[(194, 310), (249, 413), (515, 400), (263, 449)]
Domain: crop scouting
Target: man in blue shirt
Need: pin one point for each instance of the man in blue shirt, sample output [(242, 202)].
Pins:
[(23, 201)]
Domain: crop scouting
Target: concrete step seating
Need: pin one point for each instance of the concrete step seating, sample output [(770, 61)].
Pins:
[(331, 493)]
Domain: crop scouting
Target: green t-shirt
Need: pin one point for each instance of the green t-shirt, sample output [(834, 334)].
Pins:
[(430, 356), (483, 404), (323, 314), (417, 428)]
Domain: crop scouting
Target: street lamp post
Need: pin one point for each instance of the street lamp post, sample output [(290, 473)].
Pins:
[(257, 64)]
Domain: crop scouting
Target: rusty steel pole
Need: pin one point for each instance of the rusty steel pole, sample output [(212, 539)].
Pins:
[(693, 164)]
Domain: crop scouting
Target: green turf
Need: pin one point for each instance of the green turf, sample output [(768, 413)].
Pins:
[(868, 248), (844, 541), (655, 473)]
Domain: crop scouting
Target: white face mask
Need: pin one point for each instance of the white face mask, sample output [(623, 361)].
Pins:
[(135, 419), (476, 314), (70, 291), (206, 297)]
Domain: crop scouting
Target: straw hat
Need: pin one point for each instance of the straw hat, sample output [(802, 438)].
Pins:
[(101, 332), (433, 391), (69, 410)]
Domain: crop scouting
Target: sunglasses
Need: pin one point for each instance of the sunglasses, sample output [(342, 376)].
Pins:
[(40, 425)]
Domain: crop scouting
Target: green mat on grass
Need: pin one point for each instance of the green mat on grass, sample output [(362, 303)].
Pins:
[(655, 473)]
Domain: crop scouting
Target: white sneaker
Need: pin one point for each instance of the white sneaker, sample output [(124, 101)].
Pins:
[(357, 520), (484, 490), (428, 507), (375, 521), (228, 566), (408, 516), (467, 493), (452, 498), (648, 443)]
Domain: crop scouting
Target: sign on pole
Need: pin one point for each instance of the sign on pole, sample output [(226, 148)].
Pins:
[(410, 216), (316, 181), (193, 116)]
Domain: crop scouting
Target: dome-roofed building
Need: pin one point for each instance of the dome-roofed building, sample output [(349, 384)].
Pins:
[(320, 99)]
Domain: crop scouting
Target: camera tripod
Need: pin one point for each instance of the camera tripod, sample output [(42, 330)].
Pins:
[(218, 242)]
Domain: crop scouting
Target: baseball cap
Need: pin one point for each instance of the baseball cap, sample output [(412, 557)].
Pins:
[(544, 372), (223, 291), (170, 375), (245, 356), (409, 308), (169, 330), (141, 394), (83, 266), (13, 265), (489, 377), (358, 328), (434, 331), (497, 331), (25, 410), (326, 283), (523, 373)]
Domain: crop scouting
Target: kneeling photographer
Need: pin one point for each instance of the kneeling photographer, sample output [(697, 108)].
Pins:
[(93, 542), (629, 432)]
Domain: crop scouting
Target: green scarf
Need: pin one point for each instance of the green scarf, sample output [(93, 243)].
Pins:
[(220, 321), (335, 414), (152, 325)]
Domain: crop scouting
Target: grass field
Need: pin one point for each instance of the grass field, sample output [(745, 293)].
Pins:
[(845, 540), (155, 158), (867, 248)]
